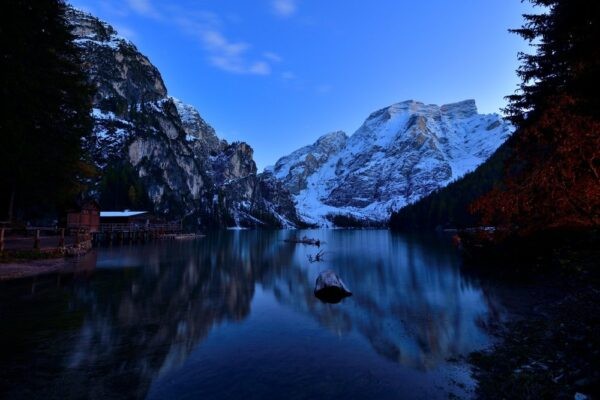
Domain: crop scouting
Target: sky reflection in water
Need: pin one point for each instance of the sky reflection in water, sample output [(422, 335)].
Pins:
[(234, 315)]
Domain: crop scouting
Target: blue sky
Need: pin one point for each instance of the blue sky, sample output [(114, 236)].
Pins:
[(280, 73)]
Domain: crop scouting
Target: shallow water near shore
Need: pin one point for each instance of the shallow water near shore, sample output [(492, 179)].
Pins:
[(233, 315)]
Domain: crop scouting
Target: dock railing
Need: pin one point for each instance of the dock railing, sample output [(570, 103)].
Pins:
[(168, 227), (49, 238), (36, 237)]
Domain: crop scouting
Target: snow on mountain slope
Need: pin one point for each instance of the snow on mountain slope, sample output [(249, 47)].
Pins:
[(400, 154), (186, 171)]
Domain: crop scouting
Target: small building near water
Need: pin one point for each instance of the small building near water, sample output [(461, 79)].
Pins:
[(85, 216), (132, 221)]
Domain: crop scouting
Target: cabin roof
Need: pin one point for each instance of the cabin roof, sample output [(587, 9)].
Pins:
[(122, 214)]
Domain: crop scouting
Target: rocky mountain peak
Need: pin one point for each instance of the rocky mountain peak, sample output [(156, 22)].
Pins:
[(331, 142), (87, 27), (294, 169), (234, 162), (461, 109), (119, 71), (405, 107), (198, 130), (399, 154), (175, 155)]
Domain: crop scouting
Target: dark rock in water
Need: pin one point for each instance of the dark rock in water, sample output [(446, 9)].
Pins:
[(329, 288)]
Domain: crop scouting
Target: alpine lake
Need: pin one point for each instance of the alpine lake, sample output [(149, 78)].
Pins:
[(233, 315)]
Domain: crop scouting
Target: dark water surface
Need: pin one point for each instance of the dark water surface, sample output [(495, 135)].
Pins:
[(233, 315)]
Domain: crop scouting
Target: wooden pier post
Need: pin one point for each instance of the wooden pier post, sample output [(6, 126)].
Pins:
[(61, 240), (36, 241), (1, 240)]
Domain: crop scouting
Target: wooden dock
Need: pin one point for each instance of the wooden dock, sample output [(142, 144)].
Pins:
[(72, 241), (134, 233)]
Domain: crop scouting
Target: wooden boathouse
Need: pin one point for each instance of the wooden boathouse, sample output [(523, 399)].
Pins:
[(85, 226), (132, 226), (84, 217)]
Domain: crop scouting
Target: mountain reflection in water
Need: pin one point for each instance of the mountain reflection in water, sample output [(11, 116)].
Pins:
[(143, 310)]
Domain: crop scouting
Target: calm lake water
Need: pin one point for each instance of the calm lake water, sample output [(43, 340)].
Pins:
[(233, 315)]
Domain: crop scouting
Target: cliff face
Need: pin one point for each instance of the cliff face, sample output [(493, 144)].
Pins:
[(400, 154), (186, 170)]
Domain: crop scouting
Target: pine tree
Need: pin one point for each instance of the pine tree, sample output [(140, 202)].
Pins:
[(45, 115), (553, 178), (566, 61)]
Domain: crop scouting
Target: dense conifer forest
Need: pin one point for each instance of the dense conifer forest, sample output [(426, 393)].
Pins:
[(45, 116)]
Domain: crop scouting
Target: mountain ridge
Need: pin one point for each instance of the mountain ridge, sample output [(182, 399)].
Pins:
[(400, 153)]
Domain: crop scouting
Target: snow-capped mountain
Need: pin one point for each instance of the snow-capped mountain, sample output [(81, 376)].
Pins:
[(400, 154), (186, 170)]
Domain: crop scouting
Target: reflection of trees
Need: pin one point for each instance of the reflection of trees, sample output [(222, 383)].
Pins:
[(145, 321)]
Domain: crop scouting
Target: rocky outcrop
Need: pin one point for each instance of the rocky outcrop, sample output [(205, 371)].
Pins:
[(302, 163), (400, 154), (187, 171)]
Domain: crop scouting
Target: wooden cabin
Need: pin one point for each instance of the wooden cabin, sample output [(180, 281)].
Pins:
[(85, 216)]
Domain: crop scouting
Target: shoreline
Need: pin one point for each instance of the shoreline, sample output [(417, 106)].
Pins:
[(551, 355), (549, 349), (21, 269)]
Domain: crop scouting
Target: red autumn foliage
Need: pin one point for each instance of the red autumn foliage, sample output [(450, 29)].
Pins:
[(553, 179)]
